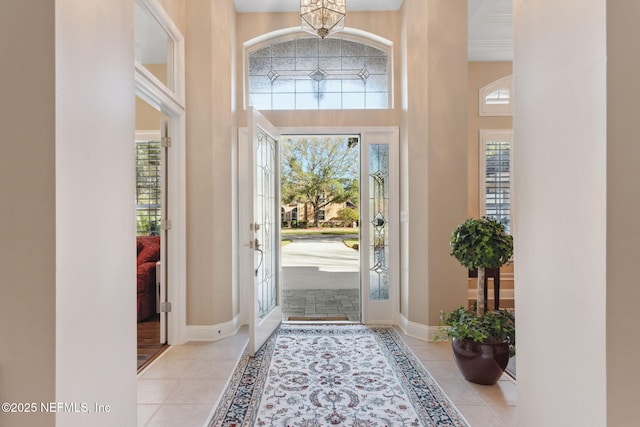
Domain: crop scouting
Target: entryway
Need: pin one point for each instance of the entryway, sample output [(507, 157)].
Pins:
[(320, 218), (260, 213), (320, 276), (151, 231)]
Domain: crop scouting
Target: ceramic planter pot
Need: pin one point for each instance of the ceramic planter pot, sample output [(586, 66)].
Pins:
[(480, 363)]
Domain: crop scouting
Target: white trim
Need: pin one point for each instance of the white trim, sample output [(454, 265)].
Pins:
[(213, 332), (147, 135), (380, 311), (177, 71), (485, 109), (389, 314), (154, 91), (418, 330), (292, 33), (171, 103)]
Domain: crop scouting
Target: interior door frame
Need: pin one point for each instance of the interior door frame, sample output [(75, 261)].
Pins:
[(372, 312), (171, 103)]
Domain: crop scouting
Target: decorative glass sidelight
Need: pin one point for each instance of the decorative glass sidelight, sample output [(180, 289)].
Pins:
[(267, 266), (379, 244)]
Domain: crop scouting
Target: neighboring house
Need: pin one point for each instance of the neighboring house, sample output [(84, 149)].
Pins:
[(293, 213)]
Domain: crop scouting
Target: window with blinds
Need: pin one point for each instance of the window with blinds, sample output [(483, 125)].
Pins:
[(496, 175), (148, 187)]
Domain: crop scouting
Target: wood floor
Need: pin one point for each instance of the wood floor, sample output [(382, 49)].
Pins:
[(149, 346)]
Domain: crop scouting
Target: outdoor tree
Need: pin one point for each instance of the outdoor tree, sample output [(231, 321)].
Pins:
[(320, 171)]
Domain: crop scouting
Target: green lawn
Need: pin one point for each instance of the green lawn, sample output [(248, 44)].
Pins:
[(333, 231), (352, 243)]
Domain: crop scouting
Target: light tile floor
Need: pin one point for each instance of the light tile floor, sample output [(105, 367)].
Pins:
[(183, 385)]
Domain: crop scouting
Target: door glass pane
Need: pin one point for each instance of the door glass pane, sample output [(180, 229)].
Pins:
[(378, 222), (267, 266), (153, 46)]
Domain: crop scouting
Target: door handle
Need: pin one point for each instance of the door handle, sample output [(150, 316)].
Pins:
[(256, 247), (253, 244)]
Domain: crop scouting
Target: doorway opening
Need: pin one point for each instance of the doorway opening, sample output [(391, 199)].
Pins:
[(320, 228), (261, 215), (151, 205)]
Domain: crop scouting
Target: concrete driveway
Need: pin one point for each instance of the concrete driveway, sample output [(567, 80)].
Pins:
[(319, 262), (320, 278)]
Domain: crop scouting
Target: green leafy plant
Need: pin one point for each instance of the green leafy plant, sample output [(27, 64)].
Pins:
[(494, 327), (480, 243)]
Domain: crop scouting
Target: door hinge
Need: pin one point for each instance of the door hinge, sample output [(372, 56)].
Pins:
[(165, 141), (165, 307), (165, 224)]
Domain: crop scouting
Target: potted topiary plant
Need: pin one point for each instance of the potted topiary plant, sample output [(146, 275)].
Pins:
[(481, 341)]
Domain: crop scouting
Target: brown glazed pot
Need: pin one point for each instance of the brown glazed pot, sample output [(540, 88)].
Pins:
[(480, 363)]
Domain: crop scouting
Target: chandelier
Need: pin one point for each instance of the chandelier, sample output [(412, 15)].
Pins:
[(322, 16)]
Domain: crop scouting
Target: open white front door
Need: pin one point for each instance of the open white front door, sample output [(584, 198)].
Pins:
[(264, 229)]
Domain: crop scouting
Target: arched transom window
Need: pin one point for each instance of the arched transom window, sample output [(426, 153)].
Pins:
[(308, 73), (496, 98)]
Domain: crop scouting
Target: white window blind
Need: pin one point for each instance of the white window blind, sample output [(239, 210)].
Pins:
[(496, 175)]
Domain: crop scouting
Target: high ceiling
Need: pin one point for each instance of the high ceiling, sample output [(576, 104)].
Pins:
[(490, 22), (294, 5)]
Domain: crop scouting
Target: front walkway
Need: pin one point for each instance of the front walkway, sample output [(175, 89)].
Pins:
[(321, 303), (320, 278)]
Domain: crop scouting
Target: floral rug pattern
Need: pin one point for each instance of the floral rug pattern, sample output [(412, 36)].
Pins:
[(327, 375)]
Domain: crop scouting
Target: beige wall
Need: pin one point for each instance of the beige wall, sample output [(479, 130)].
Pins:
[(560, 189), (27, 215), (211, 134), (434, 146), (67, 273), (430, 290), (384, 24), (623, 204), (147, 117), (480, 75), (176, 9)]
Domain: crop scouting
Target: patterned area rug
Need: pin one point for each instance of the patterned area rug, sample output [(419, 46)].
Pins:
[(329, 375)]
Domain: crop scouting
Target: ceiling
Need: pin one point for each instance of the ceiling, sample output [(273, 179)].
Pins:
[(490, 22), (294, 5)]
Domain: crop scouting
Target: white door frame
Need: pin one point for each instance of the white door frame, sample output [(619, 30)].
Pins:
[(373, 312), (171, 103)]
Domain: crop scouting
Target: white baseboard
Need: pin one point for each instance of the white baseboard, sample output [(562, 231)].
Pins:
[(418, 330), (213, 332)]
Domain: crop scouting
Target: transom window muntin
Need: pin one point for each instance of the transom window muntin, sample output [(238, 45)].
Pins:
[(304, 73)]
